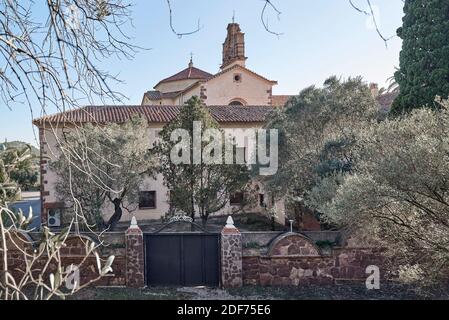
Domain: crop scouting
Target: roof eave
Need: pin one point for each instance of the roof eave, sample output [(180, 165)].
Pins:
[(218, 74), (168, 81)]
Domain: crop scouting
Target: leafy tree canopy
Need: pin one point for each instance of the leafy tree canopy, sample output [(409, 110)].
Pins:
[(18, 170), (102, 165), (398, 192), (316, 132), (198, 188)]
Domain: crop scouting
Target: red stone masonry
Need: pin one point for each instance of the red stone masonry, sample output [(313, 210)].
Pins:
[(73, 253), (135, 260), (270, 97), (203, 94), (231, 258), (293, 259), (291, 244)]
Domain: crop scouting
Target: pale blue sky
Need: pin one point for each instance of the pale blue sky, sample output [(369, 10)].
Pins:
[(320, 38)]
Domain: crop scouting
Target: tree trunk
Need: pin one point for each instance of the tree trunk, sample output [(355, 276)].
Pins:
[(204, 221), (117, 214)]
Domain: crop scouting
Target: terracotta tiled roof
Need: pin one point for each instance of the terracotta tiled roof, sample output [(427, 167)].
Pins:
[(279, 100), (153, 95), (188, 73), (171, 95), (240, 113), (154, 113), (157, 95)]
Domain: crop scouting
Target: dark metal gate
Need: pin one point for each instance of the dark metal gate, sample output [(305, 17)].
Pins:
[(182, 259)]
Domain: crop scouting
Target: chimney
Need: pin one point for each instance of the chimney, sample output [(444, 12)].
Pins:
[(374, 88), (234, 46)]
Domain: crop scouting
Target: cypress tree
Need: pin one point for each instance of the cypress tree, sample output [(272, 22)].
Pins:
[(424, 59)]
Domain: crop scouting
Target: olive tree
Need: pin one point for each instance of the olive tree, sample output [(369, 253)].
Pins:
[(317, 130), (105, 165), (398, 192)]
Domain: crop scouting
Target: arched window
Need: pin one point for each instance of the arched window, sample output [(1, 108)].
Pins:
[(237, 102)]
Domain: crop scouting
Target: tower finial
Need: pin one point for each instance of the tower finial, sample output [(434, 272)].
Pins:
[(233, 16), (191, 60)]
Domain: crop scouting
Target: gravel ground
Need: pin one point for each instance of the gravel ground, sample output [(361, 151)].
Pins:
[(337, 292)]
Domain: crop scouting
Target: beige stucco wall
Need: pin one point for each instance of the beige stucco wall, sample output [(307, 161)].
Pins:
[(194, 91), (52, 138), (173, 86), (50, 148), (223, 89), (149, 102), (179, 100)]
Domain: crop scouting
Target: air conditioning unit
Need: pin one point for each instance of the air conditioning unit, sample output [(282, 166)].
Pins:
[(54, 217)]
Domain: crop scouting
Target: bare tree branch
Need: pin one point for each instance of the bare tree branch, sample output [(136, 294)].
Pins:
[(180, 34), (373, 18), (269, 4)]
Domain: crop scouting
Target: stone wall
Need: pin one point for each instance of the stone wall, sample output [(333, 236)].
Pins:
[(289, 259), (231, 257), (263, 239), (135, 260), (287, 271), (74, 253), (293, 259), (293, 244), (350, 263)]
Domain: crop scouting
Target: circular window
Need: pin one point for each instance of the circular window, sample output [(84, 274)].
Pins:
[(237, 78)]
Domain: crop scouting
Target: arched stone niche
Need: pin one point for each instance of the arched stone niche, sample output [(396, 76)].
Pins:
[(293, 244)]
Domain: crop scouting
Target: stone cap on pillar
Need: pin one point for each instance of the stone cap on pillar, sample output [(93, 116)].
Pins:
[(230, 228), (134, 227)]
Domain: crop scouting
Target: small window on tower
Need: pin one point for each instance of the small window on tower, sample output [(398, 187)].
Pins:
[(237, 77)]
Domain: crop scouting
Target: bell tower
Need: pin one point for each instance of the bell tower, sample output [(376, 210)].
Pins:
[(234, 46)]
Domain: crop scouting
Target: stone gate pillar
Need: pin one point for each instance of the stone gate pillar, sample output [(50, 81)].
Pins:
[(135, 264), (231, 256)]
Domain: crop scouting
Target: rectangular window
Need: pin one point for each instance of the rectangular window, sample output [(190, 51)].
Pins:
[(236, 199), (240, 155), (261, 200), (147, 199)]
